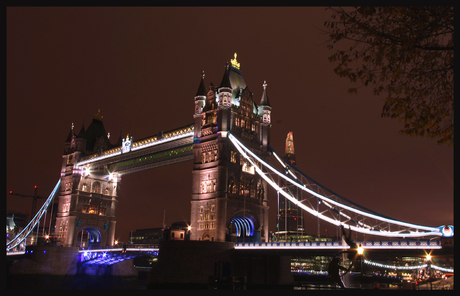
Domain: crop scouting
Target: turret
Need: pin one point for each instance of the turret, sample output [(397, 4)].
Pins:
[(265, 109), (68, 140), (200, 97), (75, 142), (225, 90)]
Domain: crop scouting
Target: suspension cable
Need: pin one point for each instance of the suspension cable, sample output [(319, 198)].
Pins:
[(28, 229), (431, 231)]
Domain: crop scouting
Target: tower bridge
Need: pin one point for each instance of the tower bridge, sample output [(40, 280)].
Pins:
[(229, 145)]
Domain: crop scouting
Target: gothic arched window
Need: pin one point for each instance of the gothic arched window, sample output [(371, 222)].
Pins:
[(96, 188)]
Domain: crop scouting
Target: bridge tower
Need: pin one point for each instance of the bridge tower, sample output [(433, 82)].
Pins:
[(87, 198), (229, 201)]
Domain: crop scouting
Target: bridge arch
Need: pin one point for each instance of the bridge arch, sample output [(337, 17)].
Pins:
[(242, 226), (88, 237)]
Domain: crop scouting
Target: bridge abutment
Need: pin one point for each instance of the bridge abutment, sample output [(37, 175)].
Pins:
[(207, 264), (47, 260)]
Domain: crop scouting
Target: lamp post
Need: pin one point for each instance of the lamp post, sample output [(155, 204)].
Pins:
[(428, 270), (360, 256), (189, 231)]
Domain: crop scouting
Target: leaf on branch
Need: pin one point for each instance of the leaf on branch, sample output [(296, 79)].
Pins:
[(353, 90), (406, 52)]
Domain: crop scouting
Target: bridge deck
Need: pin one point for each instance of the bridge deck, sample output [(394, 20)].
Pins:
[(339, 245), (172, 147)]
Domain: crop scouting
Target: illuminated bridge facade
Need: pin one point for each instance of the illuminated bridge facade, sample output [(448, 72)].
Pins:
[(89, 181), (229, 145)]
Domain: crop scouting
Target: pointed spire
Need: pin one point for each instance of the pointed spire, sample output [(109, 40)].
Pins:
[(226, 79), (70, 135), (201, 89), (264, 101), (82, 132)]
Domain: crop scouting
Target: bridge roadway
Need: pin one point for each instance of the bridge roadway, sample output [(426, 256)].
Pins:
[(115, 255), (372, 249)]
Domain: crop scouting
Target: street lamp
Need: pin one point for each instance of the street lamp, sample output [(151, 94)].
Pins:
[(189, 232), (428, 270), (428, 257), (360, 250), (360, 256)]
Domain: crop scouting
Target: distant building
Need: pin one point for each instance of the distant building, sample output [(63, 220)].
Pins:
[(18, 219), (149, 236), (153, 236), (290, 223), (15, 223), (179, 231)]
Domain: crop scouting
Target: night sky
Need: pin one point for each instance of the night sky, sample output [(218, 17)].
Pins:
[(142, 67)]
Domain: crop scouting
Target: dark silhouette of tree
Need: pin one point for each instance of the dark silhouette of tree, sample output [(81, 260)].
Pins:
[(405, 52)]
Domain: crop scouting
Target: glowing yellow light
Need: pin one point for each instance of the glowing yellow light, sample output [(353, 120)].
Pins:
[(86, 171), (360, 250), (428, 257), (234, 62)]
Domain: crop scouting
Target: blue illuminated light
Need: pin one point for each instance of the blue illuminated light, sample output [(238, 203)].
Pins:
[(447, 230), (243, 225)]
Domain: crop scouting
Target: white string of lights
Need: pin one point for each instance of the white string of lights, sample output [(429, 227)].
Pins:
[(386, 266)]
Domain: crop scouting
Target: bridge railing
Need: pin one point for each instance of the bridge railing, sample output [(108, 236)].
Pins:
[(434, 244)]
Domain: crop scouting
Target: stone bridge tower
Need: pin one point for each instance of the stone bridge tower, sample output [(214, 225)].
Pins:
[(229, 200), (86, 213)]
